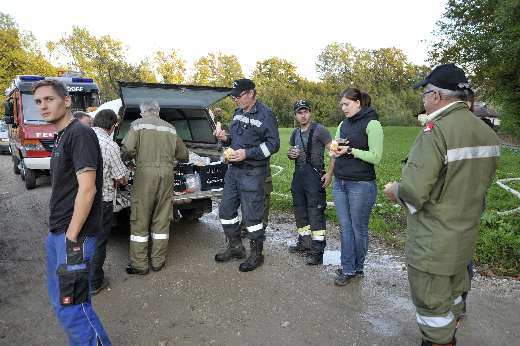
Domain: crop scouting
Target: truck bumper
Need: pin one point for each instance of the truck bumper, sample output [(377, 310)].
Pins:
[(4, 147), (37, 162)]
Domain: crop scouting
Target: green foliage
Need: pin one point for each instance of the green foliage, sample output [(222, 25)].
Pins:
[(101, 58), (170, 67), (483, 36), (498, 246), (19, 54), (216, 70), (384, 73)]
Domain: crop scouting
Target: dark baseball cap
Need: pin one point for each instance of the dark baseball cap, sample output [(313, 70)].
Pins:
[(447, 76), (241, 85), (301, 104)]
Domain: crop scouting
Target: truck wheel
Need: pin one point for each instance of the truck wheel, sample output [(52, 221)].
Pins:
[(30, 179), (191, 214), (16, 162)]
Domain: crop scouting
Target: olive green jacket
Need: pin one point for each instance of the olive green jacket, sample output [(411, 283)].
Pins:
[(154, 142), (443, 186)]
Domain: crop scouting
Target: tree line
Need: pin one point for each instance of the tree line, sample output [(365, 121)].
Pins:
[(385, 73), (481, 35)]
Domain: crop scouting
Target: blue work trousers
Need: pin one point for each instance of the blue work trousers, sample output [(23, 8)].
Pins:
[(244, 187), (80, 322)]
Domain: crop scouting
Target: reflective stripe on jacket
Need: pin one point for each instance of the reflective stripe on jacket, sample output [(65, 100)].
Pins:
[(443, 186), (154, 142)]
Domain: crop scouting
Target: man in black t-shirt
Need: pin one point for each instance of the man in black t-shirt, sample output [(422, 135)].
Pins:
[(75, 215)]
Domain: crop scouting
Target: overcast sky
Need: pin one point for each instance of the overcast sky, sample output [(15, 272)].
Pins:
[(252, 30)]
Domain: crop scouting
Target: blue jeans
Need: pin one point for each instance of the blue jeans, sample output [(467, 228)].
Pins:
[(80, 322), (354, 201)]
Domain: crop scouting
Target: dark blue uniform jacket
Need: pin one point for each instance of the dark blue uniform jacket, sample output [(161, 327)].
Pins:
[(255, 131)]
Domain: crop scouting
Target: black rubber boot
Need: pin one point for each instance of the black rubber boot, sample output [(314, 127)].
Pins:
[(302, 245), (235, 249), (316, 252), (255, 259)]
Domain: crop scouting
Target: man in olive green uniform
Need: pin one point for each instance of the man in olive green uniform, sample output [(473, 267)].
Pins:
[(156, 147), (443, 186)]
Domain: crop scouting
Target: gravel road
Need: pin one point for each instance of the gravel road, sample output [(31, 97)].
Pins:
[(195, 301)]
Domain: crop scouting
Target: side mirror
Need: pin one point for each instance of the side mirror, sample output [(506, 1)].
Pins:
[(8, 108), (9, 120)]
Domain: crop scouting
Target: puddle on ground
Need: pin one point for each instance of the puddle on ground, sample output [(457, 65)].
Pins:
[(384, 327), (332, 258)]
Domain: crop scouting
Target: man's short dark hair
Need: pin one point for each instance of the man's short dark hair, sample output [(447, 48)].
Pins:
[(105, 119), (80, 115), (58, 86)]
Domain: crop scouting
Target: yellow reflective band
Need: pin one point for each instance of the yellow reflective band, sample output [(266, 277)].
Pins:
[(318, 235), (305, 230)]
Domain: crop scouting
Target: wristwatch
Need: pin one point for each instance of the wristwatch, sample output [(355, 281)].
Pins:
[(349, 150)]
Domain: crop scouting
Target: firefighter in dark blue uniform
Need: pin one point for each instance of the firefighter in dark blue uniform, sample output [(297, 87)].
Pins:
[(253, 136)]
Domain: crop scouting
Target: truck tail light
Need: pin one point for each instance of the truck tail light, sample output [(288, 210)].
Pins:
[(33, 145)]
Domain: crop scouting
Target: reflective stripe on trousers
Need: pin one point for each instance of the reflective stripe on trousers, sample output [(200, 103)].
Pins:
[(305, 230), (318, 235), (435, 321), (160, 236), (138, 239)]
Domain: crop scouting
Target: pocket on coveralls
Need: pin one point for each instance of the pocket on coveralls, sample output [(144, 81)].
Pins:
[(73, 283), (133, 211), (253, 181)]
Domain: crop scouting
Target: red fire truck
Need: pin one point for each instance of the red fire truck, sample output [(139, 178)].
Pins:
[(31, 139)]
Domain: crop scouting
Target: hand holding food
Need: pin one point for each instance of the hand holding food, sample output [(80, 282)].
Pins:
[(219, 133), (339, 147), (228, 153), (294, 152)]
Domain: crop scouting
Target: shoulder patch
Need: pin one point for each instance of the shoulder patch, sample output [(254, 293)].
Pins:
[(429, 127)]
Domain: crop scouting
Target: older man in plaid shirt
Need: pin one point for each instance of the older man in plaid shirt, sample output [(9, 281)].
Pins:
[(114, 172)]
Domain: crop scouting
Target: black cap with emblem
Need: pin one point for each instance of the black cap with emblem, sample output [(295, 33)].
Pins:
[(447, 76), (301, 104), (241, 85)]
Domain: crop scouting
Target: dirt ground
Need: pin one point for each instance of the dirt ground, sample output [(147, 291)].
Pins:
[(195, 301)]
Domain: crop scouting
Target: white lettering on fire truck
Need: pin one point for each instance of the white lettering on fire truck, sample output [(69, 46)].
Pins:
[(44, 135), (75, 88)]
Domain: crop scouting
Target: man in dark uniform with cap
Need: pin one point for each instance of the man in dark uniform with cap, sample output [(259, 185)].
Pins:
[(253, 138)]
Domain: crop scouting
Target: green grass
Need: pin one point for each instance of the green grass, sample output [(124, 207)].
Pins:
[(498, 247)]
